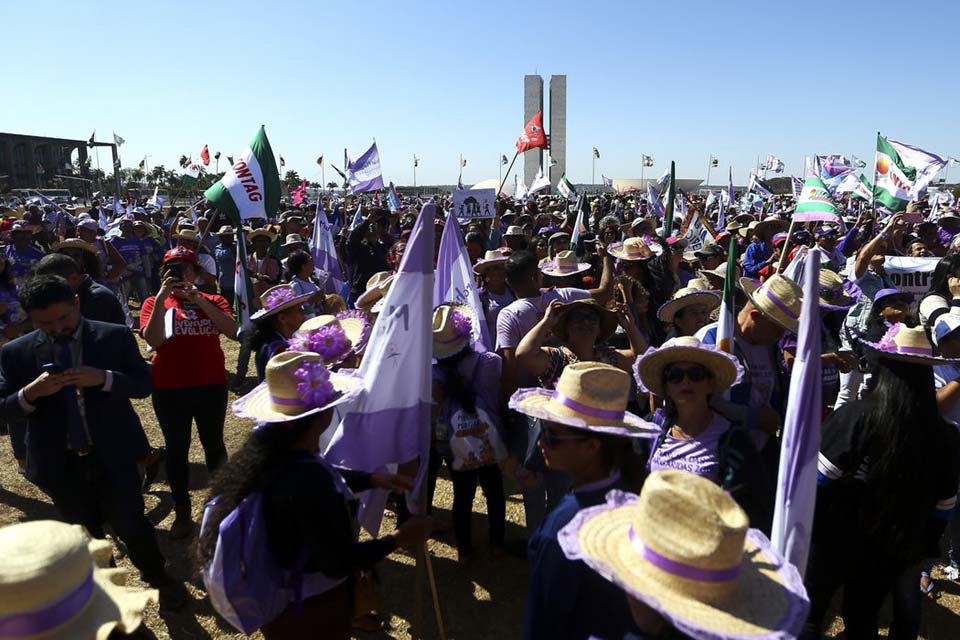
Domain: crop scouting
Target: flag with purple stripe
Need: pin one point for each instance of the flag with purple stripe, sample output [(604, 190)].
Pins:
[(324, 252), (797, 478), (455, 281), (390, 423), (815, 203), (364, 172)]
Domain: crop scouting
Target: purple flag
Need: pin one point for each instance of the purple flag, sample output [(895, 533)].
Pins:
[(364, 172), (325, 263), (455, 281), (797, 478), (390, 423)]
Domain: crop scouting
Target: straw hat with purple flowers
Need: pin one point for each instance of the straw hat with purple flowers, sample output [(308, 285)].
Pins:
[(297, 385), (452, 328), (277, 299), (685, 548), (589, 395), (907, 344), (333, 337)]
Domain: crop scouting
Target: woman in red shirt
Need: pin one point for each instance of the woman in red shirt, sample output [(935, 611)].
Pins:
[(189, 378)]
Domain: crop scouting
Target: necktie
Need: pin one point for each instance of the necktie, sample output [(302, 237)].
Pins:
[(76, 434)]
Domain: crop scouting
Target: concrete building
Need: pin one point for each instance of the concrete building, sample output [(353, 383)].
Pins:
[(532, 102), (558, 128), (32, 161)]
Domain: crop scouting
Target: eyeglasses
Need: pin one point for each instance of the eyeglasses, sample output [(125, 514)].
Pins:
[(551, 439), (696, 373)]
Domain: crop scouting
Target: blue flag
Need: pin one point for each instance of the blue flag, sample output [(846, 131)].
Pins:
[(797, 478)]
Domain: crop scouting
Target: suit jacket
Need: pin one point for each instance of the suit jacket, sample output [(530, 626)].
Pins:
[(99, 303), (113, 425)]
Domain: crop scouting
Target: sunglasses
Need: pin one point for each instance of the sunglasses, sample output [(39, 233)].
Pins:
[(551, 439), (696, 373)]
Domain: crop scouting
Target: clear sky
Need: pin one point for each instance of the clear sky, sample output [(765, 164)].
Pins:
[(676, 80)]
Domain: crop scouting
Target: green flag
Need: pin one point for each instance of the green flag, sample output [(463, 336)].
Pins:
[(894, 178), (251, 186), (671, 199)]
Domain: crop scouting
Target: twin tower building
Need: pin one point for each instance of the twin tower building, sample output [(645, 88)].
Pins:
[(554, 158)]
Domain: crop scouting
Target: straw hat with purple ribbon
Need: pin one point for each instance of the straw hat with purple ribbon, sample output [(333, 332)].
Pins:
[(564, 264), (685, 548), (696, 292), (779, 298), (589, 395), (634, 249), (277, 299), (452, 329), (377, 287), (833, 297), (297, 385), (491, 259), (907, 344), (648, 368), (55, 584)]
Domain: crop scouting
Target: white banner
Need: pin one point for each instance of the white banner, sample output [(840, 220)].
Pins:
[(911, 275), (474, 203)]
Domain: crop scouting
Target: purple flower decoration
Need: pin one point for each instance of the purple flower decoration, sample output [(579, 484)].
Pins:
[(278, 297), (299, 342), (330, 342), (315, 388), (461, 324)]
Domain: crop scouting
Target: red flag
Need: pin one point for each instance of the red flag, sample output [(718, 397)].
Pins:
[(533, 135), (205, 156), (299, 192)]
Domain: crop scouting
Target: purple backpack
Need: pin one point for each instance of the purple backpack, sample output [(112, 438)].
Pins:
[(243, 580)]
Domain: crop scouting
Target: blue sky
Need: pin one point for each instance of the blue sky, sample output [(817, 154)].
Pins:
[(675, 80)]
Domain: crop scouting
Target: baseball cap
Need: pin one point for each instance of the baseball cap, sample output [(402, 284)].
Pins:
[(180, 253)]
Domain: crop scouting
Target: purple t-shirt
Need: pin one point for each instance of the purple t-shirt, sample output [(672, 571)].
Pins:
[(131, 250), (518, 317), (496, 302), (700, 455), (22, 262)]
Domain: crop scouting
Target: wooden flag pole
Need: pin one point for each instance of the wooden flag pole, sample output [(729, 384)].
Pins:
[(786, 246), (507, 176), (424, 561)]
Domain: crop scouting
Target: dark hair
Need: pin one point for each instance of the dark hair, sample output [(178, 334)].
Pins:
[(296, 262), (6, 278), (520, 265), (57, 264), (939, 283), (42, 292), (474, 236), (453, 385), (906, 440), (244, 473)]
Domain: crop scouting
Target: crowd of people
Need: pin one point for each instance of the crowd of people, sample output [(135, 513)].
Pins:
[(645, 454)]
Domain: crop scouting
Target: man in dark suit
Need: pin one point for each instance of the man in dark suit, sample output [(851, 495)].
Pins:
[(73, 379)]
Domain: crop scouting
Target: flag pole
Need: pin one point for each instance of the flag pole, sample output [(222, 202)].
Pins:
[(709, 166), (593, 170), (786, 245), (509, 169), (873, 194), (643, 163)]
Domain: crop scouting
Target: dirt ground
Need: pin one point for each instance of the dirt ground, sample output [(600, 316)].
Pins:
[(481, 600)]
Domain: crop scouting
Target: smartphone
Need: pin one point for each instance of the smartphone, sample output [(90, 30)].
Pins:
[(52, 368), (913, 218), (174, 271)]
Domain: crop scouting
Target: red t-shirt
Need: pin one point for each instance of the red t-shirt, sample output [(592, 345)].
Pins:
[(191, 356)]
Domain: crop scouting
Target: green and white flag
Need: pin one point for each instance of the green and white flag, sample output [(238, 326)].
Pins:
[(815, 203), (251, 187), (902, 173), (190, 173), (242, 284), (566, 189)]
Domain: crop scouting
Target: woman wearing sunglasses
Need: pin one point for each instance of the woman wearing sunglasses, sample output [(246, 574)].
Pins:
[(686, 373)]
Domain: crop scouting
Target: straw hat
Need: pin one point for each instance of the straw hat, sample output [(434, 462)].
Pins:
[(452, 329), (908, 344), (564, 264), (685, 549), (719, 272), (608, 319), (353, 326), (225, 229), (277, 299), (261, 233), (296, 385), (293, 239), (190, 235), (648, 368), (54, 584), (696, 292), (949, 221), (377, 287), (513, 231), (74, 243), (634, 249), (589, 395), (833, 297), (778, 298), (490, 259)]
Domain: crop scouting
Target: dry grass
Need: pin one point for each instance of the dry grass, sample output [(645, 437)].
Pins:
[(482, 600)]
